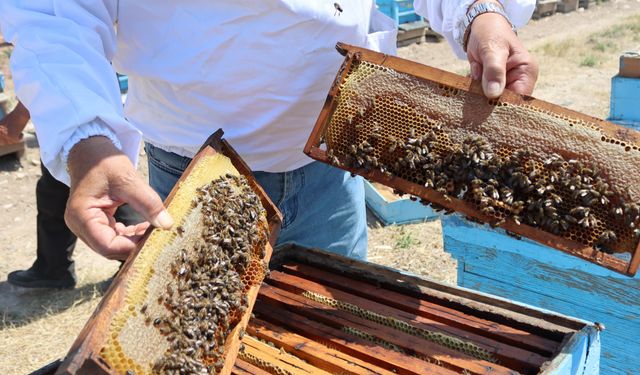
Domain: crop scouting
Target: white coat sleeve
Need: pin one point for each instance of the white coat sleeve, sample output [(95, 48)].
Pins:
[(62, 73), (445, 16)]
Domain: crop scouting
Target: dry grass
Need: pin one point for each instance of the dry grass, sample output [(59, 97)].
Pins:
[(596, 48), (33, 344), (38, 326), (414, 248)]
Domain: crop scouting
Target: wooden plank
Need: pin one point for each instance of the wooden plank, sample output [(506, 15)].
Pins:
[(413, 345), (575, 354), (245, 368), (470, 301), (544, 270), (619, 354), (629, 65), (443, 314), (279, 359), (510, 356), (328, 359), (396, 362), (557, 282), (566, 6)]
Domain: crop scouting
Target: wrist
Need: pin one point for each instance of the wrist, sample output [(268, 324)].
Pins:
[(489, 10), (90, 153), (496, 2)]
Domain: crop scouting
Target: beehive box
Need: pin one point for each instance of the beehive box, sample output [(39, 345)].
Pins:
[(545, 8), (623, 102), (525, 271), (564, 179), (319, 313), (181, 301), (566, 6), (391, 209)]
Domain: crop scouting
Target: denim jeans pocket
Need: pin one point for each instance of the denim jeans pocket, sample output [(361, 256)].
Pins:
[(154, 158)]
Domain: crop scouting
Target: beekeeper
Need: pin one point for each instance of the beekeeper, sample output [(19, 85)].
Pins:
[(258, 69)]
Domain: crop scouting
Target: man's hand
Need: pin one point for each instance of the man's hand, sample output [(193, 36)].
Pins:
[(497, 56), (103, 178)]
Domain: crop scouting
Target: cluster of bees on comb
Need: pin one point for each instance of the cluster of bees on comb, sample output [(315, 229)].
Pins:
[(207, 297), (569, 198)]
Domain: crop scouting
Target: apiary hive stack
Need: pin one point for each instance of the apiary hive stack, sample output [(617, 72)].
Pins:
[(181, 303), (562, 178)]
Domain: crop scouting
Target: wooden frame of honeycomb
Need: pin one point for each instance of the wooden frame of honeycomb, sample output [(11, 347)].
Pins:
[(396, 122), (125, 334)]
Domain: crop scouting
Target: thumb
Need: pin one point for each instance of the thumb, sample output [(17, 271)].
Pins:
[(147, 203), (494, 64)]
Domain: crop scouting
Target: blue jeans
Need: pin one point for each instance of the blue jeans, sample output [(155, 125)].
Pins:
[(323, 207)]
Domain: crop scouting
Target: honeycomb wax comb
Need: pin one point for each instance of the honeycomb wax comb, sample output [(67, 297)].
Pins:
[(537, 170)]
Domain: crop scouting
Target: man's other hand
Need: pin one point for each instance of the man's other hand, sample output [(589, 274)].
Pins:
[(103, 178)]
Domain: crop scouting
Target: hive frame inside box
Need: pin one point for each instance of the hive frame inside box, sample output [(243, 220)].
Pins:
[(354, 54), (84, 355), (579, 355)]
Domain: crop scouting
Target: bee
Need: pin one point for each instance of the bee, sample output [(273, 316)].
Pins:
[(180, 230), (338, 9), (607, 237)]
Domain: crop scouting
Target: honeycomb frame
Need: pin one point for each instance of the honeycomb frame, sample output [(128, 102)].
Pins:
[(448, 87), (87, 355)]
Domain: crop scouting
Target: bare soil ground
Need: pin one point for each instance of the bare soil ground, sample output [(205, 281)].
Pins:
[(578, 54)]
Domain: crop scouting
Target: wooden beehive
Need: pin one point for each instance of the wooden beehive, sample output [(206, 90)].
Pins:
[(492, 262), (319, 313), (135, 329), (331, 314), (378, 101)]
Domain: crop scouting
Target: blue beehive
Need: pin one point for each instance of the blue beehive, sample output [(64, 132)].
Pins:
[(400, 10), (401, 211), (123, 81), (525, 271), (625, 101)]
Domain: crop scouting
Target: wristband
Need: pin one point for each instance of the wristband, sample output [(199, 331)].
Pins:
[(474, 11)]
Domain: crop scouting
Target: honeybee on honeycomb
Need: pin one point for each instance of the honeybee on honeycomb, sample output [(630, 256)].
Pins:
[(565, 197), (206, 297)]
